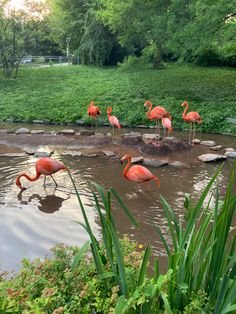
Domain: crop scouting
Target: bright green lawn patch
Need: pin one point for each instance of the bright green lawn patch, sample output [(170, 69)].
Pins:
[(63, 93)]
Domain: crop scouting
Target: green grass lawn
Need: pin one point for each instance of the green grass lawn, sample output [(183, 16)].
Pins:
[(62, 94)]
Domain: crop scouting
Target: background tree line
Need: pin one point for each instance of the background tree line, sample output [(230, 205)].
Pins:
[(104, 32)]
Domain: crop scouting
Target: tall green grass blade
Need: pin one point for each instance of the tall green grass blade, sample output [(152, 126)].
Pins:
[(167, 248), (126, 210), (120, 261), (156, 269), (172, 214), (79, 255), (94, 246), (143, 269)]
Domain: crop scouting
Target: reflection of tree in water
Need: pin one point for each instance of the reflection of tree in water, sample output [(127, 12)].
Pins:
[(47, 204)]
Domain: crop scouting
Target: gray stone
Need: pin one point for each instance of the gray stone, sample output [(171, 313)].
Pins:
[(150, 136), (66, 132), (3, 131), (9, 120), (136, 160), (12, 155), (196, 141), (86, 132), (109, 153), (80, 122), (217, 147), (230, 154), (154, 162), (211, 157), (89, 154), (39, 122), (208, 143), (229, 149), (132, 139), (73, 153), (142, 126), (109, 134), (135, 134), (37, 131), (179, 164), (22, 131), (42, 154), (231, 120)]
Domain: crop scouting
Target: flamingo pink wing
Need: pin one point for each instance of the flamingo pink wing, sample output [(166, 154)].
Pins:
[(114, 121), (139, 174)]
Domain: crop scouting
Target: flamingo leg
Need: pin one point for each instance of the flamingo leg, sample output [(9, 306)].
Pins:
[(54, 180), (156, 130), (194, 130), (190, 132), (164, 132), (159, 132), (44, 182)]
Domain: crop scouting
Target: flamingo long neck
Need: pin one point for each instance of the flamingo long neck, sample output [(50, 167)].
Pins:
[(24, 174), (185, 110), (125, 171), (149, 109)]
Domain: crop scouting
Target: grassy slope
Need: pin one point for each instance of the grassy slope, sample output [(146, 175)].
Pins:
[(63, 94)]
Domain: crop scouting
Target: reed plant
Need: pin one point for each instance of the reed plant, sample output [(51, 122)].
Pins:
[(201, 258)]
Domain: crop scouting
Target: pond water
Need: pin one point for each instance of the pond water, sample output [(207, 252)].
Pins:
[(34, 221)]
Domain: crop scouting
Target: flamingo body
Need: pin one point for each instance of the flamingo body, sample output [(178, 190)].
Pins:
[(191, 117), (166, 123), (137, 173), (93, 110), (46, 166), (157, 113), (113, 119)]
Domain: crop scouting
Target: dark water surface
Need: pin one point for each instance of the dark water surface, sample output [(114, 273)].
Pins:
[(34, 221)]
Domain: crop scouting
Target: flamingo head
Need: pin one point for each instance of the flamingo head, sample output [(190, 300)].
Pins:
[(19, 184), (109, 110), (125, 157), (147, 104), (184, 104)]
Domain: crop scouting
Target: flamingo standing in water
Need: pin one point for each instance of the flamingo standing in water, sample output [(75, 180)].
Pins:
[(93, 111), (137, 173), (191, 117), (157, 113), (166, 123), (112, 119), (46, 166)]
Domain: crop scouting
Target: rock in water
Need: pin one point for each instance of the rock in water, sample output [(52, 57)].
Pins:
[(211, 157)]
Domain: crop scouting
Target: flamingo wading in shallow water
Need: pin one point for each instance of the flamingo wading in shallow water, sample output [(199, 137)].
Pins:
[(166, 123), (46, 166), (137, 173), (157, 113), (191, 117), (93, 111), (112, 119)]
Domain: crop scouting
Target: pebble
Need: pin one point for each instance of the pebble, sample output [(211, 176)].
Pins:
[(136, 160), (217, 147), (196, 141), (39, 122), (230, 154), (109, 153), (89, 154), (229, 149), (37, 131), (72, 153), (66, 132), (154, 162), (22, 131), (208, 143), (211, 157)]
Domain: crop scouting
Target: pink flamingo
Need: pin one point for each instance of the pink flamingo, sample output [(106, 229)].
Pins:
[(112, 119), (46, 166), (137, 173), (191, 117), (93, 111), (157, 113), (166, 123)]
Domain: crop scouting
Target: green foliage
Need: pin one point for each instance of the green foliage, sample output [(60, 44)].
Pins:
[(51, 286), (67, 92), (202, 255)]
